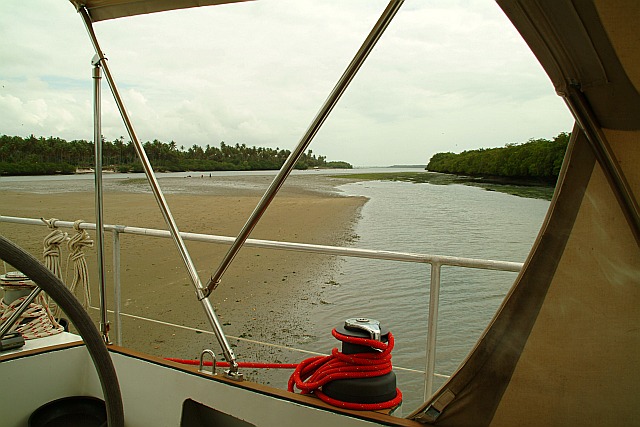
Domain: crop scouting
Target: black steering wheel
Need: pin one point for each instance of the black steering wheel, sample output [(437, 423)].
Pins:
[(44, 278)]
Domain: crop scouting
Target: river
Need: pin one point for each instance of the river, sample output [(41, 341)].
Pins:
[(454, 220)]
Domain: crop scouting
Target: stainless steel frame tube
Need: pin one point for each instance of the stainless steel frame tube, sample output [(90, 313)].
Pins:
[(97, 142), (162, 203), (314, 127)]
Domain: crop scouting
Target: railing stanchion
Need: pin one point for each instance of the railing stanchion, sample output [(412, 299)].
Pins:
[(432, 328), (116, 285), (97, 63)]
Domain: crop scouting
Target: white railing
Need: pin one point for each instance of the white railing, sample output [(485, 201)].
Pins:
[(435, 261)]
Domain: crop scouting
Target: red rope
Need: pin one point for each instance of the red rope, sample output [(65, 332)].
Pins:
[(240, 364), (313, 373)]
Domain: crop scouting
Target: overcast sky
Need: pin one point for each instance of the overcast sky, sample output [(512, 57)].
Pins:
[(446, 76)]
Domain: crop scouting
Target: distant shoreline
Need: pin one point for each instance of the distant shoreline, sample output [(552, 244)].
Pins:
[(522, 187), (86, 171)]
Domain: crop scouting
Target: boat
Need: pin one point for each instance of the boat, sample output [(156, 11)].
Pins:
[(561, 349)]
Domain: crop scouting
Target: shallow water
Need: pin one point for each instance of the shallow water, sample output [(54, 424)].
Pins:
[(451, 220)]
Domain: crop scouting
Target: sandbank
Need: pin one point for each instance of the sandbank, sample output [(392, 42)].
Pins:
[(263, 295)]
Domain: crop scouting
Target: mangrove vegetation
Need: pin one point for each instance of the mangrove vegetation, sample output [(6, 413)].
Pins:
[(527, 170), (46, 156), (537, 160)]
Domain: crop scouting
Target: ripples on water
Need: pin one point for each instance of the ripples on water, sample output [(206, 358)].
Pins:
[(453, 220)]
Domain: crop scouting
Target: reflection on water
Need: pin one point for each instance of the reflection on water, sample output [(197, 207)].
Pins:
[(451, 220)]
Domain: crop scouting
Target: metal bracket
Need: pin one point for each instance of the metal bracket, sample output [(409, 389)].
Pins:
[(436, 407), (104, 330), (202, 293), (97, 59), (233, 373), (213, 366), (430, 415)]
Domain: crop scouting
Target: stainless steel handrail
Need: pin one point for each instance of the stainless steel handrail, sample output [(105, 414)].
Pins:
[(483, 264), (435, 261)]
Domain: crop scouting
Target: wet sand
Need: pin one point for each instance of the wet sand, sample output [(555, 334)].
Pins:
[(264, 294)]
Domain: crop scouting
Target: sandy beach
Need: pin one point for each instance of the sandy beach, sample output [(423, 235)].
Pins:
[(263, 295)]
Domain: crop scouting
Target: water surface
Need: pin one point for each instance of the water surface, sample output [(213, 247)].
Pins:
[(453, 220)]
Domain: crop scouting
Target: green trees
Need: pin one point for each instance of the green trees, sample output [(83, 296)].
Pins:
[(33, 155), (40, 156), (538, 159)]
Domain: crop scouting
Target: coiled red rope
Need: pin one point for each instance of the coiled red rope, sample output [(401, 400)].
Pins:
[(311, 374)]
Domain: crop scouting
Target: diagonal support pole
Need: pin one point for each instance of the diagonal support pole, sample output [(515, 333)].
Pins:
[(331, 101), (162, 203)]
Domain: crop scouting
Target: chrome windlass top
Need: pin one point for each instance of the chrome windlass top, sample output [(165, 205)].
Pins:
[(370, 326)]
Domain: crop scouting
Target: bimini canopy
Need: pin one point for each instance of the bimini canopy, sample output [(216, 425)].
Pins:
[(100, 10), (563, 348)]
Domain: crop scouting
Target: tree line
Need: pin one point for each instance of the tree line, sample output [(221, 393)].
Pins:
[(52, 155), (536, 159)]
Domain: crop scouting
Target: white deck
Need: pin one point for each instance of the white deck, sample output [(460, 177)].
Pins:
[(61, 338), (153, 392)]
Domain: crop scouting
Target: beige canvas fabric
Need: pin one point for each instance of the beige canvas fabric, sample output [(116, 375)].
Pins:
[(563, 348), (101, 10), (579, 357)]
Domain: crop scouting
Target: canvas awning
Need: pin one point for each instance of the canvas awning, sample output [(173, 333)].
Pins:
[(101, 10), (562, 350)]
